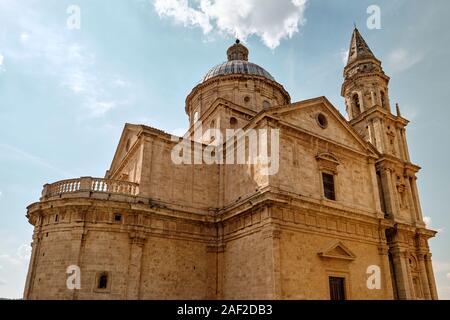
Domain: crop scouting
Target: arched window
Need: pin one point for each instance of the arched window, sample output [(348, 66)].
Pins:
[(266, 104), (356, 105), (383, 100)]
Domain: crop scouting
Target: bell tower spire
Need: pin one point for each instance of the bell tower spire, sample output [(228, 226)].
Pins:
[(358, 48), (365, 83)]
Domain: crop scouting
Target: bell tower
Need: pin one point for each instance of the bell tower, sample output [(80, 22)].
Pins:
[(366, 93)]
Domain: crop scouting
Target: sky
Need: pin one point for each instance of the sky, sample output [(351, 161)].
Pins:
[(68, 86)]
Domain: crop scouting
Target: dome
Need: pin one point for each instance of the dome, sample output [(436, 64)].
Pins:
[(237, 67), (238, 81), (237, 64)]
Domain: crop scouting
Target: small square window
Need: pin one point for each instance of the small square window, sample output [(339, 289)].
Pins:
[(328, 186), (102, 282), (118, 218)]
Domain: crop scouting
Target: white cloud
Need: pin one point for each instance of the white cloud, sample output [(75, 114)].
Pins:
[(24, 36), (448, 275), (14, 261), (401, 59), (344, 56), (427, 221), (24, 252), (99, 108), (271, 20), (59, 56), (20, 257), (90, 86), (10, 259), (441, 266), (118, 82), (178, 132), (183, 13), (2, 60), (34, 159)]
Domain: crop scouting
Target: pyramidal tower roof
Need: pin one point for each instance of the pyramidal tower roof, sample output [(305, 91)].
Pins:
[(358, 48)]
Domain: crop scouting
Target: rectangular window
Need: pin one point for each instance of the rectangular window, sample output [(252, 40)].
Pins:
[(337, 288), (328, 186)]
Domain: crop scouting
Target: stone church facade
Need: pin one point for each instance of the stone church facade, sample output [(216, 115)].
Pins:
[(342, 210)]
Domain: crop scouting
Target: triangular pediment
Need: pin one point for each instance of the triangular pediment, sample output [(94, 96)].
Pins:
[(221, 102), (127, 139), (337, 251), (335, 128)]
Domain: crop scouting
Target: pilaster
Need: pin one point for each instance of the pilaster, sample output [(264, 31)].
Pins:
[(402, 274), (272, 235), (137, 243), (431, 279), (423, 276)]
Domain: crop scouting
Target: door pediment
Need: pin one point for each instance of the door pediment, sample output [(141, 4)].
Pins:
[(338, 251)]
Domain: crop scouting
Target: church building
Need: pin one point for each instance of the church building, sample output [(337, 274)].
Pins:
[(339, 219)]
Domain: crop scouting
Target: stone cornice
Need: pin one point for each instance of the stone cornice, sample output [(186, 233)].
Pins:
[(232, 77), (378, 111), (390, 162)]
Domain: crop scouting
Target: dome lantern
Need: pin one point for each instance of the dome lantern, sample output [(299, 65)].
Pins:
[(237, 52)]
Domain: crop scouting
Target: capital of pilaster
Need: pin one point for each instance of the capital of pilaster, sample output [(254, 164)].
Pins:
[(137, 238), (383, 250), (272, 233), (216, 248)]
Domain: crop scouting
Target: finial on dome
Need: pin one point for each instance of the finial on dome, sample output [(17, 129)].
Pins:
[(237, 52)]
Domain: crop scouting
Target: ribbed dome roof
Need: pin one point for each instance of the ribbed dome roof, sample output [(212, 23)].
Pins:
[(237, 67), (237, 64)]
